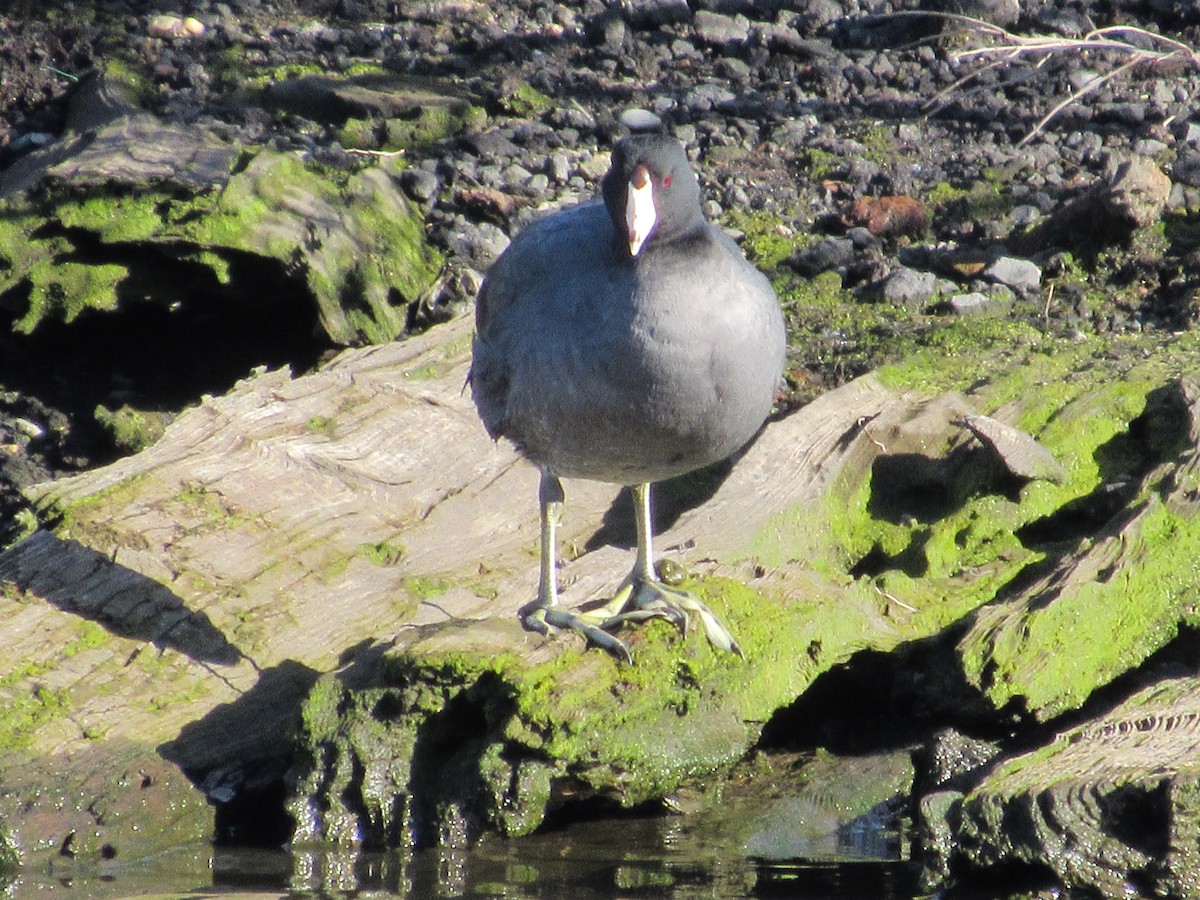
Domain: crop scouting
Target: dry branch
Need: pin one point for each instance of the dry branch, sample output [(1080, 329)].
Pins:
[(1138, 45)]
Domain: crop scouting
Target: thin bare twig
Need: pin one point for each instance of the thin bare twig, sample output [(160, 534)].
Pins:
[(387, 154), (1008, 46), (1092, 85), (934, 102), (1096, 39)]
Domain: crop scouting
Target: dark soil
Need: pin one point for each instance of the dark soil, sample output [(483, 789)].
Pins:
[(40, 63)]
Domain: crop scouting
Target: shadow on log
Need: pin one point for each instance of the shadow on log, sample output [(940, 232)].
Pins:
[(83, 582)]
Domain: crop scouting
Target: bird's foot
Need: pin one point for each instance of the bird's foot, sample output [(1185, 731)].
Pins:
[(641, 598), (637, 600), (540, 618)]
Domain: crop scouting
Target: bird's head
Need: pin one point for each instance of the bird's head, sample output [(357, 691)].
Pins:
[(651, 192)]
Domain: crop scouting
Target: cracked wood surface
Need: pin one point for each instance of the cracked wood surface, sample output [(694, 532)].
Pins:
[(1110, 805)]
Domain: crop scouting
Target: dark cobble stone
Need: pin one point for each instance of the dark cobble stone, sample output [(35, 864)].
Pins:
[(814, 16), (828, 254), (716, 30), (651, 13), (1187, 167), (490, 144), (419, 184)]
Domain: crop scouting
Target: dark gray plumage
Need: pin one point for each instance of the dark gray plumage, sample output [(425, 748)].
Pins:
[(626, 341)]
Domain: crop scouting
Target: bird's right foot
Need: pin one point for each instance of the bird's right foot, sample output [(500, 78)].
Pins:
[(540, 618)]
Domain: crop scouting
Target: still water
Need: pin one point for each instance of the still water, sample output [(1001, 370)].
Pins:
[(682, 857)]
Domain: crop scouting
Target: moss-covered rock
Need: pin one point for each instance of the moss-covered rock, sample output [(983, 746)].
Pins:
[(86, 223), (372, 108)]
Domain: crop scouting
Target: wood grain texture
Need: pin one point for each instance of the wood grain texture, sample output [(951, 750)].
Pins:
[(189, 597), (1109, 806)]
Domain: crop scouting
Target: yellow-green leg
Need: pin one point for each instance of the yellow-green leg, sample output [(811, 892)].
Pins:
[(643, 595), (544, 613)]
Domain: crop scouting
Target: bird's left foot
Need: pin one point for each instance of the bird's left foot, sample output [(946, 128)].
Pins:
[(641, 598)]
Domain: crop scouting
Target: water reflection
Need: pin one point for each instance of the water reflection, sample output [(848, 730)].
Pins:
[(680, 857)]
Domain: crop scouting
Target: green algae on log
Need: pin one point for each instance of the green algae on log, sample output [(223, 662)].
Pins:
[(1119, 576), (227, 561), (89, 221)]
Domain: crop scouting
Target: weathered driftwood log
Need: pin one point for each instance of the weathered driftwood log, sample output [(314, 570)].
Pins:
[(1117, 581), (1110, 805), (188, 597), (347, 549)]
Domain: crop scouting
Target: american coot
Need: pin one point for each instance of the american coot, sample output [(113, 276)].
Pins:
[(627, 341)]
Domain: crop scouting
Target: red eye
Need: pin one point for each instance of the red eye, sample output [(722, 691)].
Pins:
[(666, 181)]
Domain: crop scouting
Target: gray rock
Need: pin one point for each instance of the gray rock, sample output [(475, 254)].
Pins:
[(419, 184), (568, 117), (1018, 274), (815, 15), (978, 304), (717, 30), (862, 238), (491, 175), (649, 13), (493, 144), (998, 12), (908, 287), (735, 70), (1025, 215), (685, 134), (1126, 113), (636, 119), (481, 242), (1177, 199), (559, 167), (862, 170), (662, 105), (825, 255), (593, 166), (1149, 147), (708, 96), (516, 175), (779, 38), (1187, 167), (608, 30), (1132, 196), (1081, 78)]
